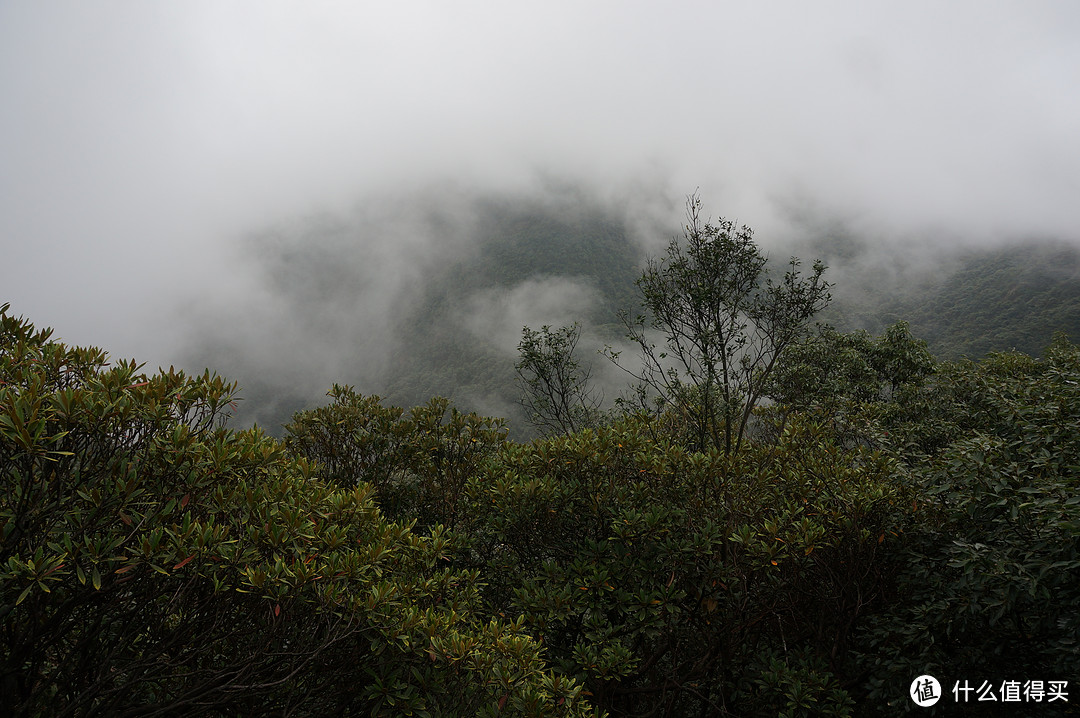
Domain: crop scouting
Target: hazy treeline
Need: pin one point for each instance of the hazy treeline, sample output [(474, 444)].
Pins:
[(412, 296)]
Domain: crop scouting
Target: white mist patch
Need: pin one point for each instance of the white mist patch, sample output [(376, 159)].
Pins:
[(497, 316)]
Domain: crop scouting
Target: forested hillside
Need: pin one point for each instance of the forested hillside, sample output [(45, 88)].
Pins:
[(975, 302), (885, 516), (964, 302), (411, 309), (1013, 298)]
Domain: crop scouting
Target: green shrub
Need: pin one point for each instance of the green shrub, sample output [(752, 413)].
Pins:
[(154, 562), (989, 580), (659, 577), (419, 461)]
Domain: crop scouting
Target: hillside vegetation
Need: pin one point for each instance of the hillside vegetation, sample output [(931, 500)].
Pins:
[(514, 243), (1009, 299), (964, 303), (794, 520)]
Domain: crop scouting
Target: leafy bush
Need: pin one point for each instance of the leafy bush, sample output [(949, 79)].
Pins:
[(990, 577), (660, 577), (859, 384), (418, 461), (664, 580), (154, 562)]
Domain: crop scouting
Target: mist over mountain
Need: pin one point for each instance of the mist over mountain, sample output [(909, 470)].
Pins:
[(425, 293), (965, 299), (417, 295), (1011, 299), (140, 141)]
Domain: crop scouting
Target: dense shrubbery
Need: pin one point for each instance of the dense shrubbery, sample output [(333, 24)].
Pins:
[(911, 518), (419, 461), (989, 578), (671, 582), (890, 516), (153, 562)]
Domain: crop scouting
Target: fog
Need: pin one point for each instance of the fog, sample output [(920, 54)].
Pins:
[(277, 179)]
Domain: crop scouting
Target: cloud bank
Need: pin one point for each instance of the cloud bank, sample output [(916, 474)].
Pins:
[(145, 145)]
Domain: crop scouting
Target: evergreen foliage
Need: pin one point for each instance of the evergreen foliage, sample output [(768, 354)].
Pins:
[(884, 515), (989, 577), (155, 563)]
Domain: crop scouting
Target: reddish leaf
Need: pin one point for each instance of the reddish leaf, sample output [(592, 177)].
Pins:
[(277, 609), (184, 501), (502, 701), (184, 562)]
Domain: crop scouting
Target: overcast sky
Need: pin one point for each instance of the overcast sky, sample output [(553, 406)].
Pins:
[(139, 140)]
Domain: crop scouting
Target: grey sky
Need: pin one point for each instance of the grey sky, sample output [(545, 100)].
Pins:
[(139, 141)]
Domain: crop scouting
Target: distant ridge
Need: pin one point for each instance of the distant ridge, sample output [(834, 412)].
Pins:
[(992, 300)]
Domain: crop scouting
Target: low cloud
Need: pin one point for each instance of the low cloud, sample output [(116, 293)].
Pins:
[(497, 316), (140, 141)]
